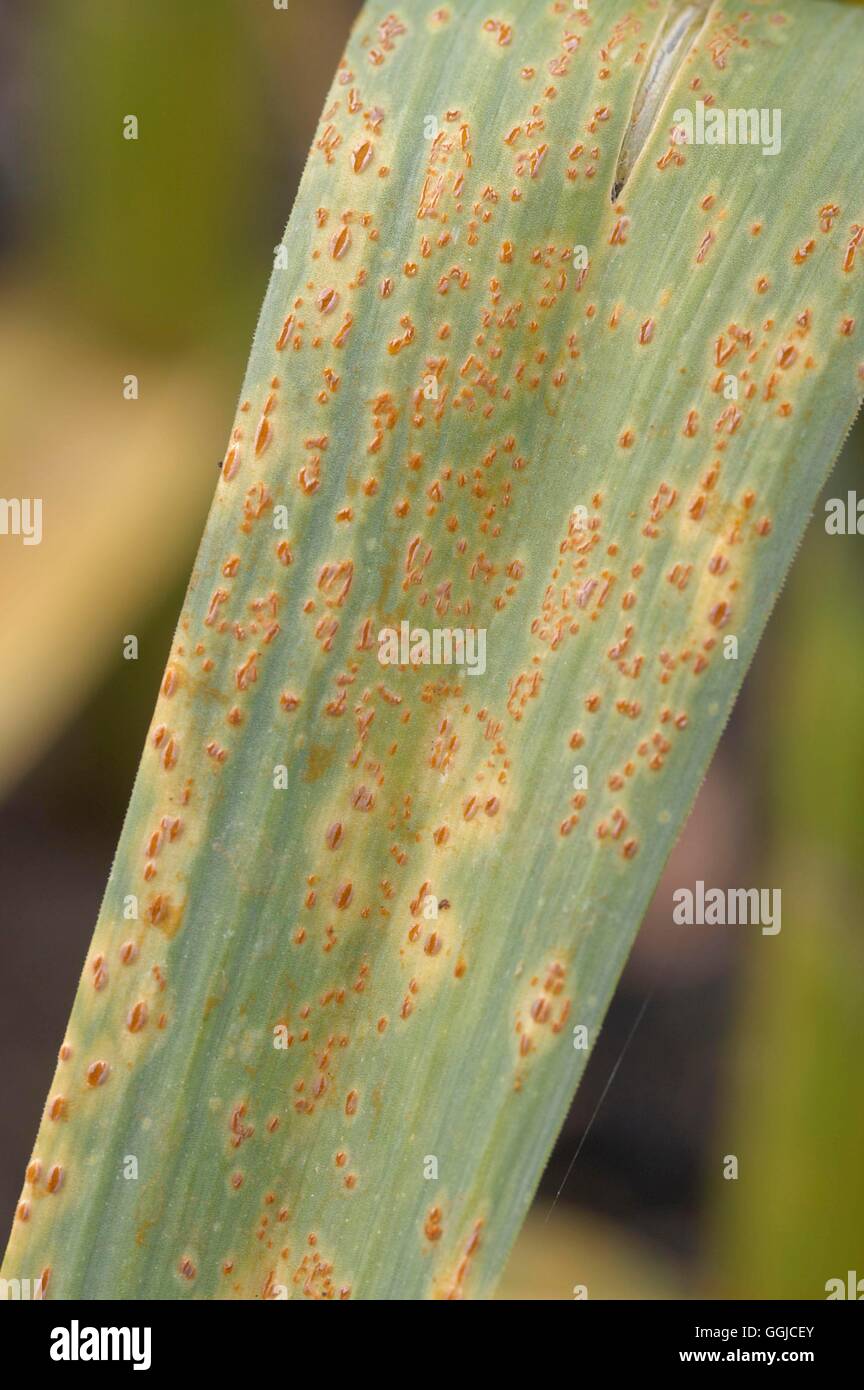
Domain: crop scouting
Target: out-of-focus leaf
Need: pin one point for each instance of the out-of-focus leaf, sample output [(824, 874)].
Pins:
[(120, 484), (578, 1257), (794, 1218)]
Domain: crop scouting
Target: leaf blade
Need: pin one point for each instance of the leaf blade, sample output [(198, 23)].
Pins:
[(247, 917)]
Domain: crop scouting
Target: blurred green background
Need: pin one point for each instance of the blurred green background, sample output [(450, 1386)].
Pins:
[(150, 257)]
